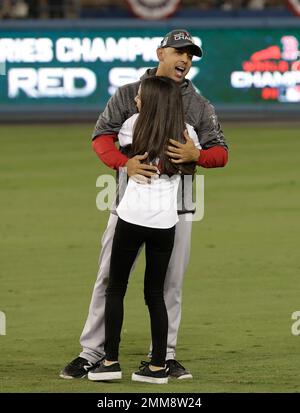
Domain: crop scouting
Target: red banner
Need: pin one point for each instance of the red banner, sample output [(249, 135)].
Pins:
[(153, 9), (294, 6)]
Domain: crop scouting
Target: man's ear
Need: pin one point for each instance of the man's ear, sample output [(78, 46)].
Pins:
[(160, 53)]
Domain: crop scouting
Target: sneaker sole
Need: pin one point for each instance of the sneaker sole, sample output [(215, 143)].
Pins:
[(64, 376), (183, 377), (116, 375), (146, 379)]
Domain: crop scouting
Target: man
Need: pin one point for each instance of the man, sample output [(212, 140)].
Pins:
[(175, 55)]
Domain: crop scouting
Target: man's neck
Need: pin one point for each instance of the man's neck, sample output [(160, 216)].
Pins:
[(159, 72)]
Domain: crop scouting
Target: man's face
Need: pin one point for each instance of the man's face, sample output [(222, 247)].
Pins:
[(174, 63)]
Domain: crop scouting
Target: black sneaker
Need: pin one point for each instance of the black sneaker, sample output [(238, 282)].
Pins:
[(176, 370), (77, 369), (148, 376), (102, 372)]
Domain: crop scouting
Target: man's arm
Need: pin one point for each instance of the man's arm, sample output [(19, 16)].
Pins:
[(209, 130), (214, 157), (119, 108), (214, 152), (113, 116), (105, 148)]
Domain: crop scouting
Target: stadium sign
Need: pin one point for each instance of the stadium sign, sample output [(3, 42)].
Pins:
[(78, 70), (51, 82), (153, 9), (75, 49), (274, 70), (44, 67)]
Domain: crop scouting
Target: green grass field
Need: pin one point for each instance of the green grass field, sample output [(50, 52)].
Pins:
[(241, 287)]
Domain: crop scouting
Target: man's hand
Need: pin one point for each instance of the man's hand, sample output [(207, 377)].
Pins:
[(183, 152), (140, 171)]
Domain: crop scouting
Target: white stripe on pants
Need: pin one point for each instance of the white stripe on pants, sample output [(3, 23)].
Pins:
[(93, 334)]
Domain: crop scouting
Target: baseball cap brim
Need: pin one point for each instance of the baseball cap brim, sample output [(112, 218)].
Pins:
[(196, 50)]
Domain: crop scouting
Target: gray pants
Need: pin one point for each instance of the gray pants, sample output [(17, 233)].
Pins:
[(93, 335)]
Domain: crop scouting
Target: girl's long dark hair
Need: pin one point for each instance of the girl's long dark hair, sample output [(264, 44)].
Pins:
[(161, 118)]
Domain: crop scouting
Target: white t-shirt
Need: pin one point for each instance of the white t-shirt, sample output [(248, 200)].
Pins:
[(151, 205)]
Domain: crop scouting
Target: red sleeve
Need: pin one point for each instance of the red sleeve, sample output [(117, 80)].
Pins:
[(105, 148), (214, 157)]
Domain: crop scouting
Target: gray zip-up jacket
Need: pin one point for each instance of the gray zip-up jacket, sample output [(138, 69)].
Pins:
[(199, 113)]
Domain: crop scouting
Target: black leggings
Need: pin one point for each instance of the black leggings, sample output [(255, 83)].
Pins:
[(128, 239)]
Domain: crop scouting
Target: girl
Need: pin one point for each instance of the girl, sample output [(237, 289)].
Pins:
[(147, 214)]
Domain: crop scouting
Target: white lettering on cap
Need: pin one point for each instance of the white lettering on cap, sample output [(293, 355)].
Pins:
[(182, 36)]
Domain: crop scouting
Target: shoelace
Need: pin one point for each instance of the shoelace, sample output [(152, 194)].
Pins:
[(144, 364), (97, 364), (85, 363), (175, 364)]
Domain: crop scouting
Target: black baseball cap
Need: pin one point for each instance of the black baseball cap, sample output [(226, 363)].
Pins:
[(181, 38)]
